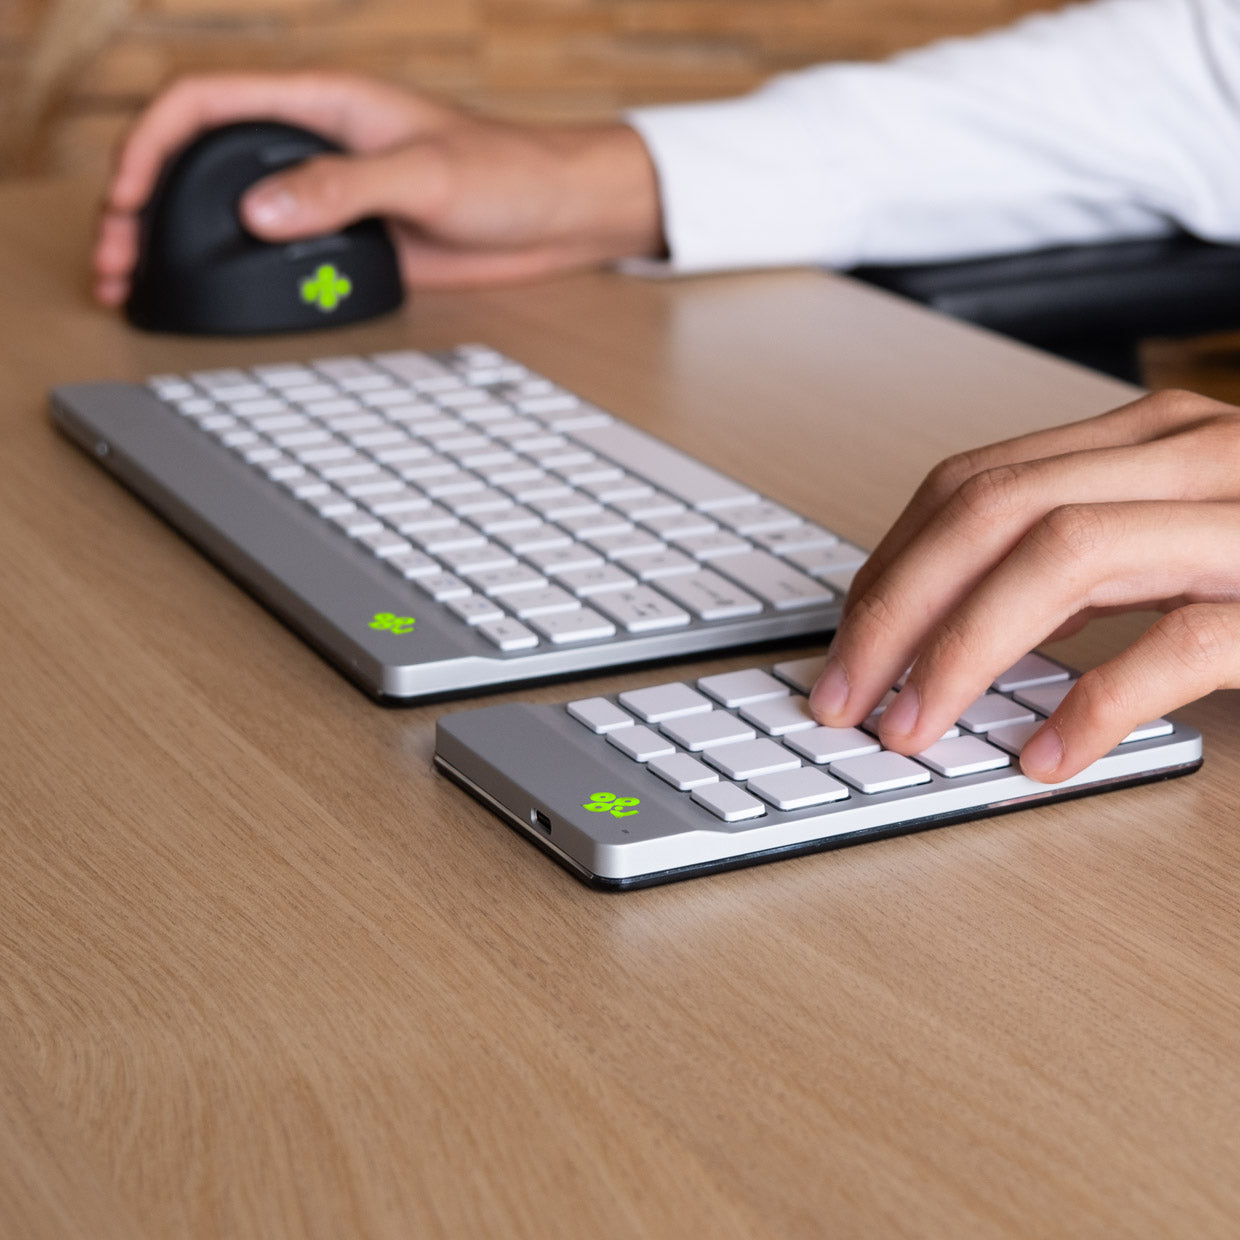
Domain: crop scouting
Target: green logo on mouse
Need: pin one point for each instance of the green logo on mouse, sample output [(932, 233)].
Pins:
[(327, 288), (609, 803), (386, 622)]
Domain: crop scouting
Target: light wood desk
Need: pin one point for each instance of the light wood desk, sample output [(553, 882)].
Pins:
[(262, 974)]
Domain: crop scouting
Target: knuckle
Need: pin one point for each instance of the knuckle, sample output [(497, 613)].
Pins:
[(1072, 532), (991, 494), (950, 474), (872, 612), (1099, 701), (1199, 635)]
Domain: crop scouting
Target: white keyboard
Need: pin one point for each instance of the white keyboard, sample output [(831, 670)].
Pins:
[(685, 777)]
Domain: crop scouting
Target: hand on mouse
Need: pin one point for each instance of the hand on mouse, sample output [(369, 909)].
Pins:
[(470, 200), (1024, 541)]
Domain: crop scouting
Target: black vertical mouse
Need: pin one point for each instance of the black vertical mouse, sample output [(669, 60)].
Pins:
[(199, 270)]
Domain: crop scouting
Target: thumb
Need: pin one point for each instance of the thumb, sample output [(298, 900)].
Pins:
[(328, 193)]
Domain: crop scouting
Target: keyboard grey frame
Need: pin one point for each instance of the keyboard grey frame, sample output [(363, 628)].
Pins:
[(326, 588), (535, 766)]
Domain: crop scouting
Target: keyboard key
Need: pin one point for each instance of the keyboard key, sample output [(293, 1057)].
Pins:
[(1147, 731), (384, 542), (542, 602), (507, 634), (585, 582), (411, 564), (993, 710), (565, 627), (1013, 736), (880, 772), (559, 558), (682, 524), (1045, 698), (442, 586), (771, 579), (626, 544), (800, 673), (505, 579), (480, 560), (818, 561), (821, 745), (728, 802), (683, 772), (709, 596), (599, 715), (798, 789), (666, 563), (781, 717), (803, 537), (640, 609), (749, 758), (640, 744), (680, 475), (964, 755), (705, 731), (535, 541), (1033, 669), (474, 609), (759, 517), (734, 689), (660, 702), (710, 546)]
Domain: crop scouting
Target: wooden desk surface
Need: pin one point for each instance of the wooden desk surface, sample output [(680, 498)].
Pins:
[(263, 974)]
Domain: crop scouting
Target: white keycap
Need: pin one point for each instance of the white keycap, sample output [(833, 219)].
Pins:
[(256, 408), (359, 523), (625, 544), (963, 755), (800, 673), (411, 365), (384, 542), (442, 586), (687, 479), (585, 582), (993, 710), (1014, 736), (680, 524), (594, 525), (821, 745), (564, 627), (404, 502), (411, 564), (639, 609), (600, 715), (354, 467), (839, 556), (754, 518), (749, 758), (662, 564), (508, 634), (1045, 698), (880, 772), (728, 802), (781, 717), (474, 609), (643, 507), (709, 596), (771, 579), (798, 789), (511, 517), (660, 702), (683, 772), (712, 546), (1147, 731), (558, 558), (422, 520), (505, 579), (485, 500), (734, 689), (1032, 669), (698, 732), (542, 602), (458, 545), (640, 744), (803, 537)]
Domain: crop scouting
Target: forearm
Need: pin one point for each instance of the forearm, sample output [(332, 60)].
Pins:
[(1106, 120)]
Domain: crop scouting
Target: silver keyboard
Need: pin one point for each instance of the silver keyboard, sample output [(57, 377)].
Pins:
[(681, 778), (544, 529)]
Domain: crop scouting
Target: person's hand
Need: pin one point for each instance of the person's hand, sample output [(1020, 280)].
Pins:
[(469, 200), (1024, 541)]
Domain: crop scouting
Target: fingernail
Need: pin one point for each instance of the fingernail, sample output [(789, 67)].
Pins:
[(830, 695), (900, 718), (269, 205), (1041, 757)]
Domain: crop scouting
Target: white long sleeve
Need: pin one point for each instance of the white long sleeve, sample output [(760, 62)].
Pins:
[(1108, 120)]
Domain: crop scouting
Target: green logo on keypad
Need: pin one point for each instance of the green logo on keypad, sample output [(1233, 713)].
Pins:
[(385, 621), (609, 803)]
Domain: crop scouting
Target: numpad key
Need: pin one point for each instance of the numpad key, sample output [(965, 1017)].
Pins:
[(690, 777), (438, 524)]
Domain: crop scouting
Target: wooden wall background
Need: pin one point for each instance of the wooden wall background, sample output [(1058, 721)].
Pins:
[(74, 72)]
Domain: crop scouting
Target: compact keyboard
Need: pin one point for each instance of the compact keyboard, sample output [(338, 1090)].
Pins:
[(448, 522), (683, 778)]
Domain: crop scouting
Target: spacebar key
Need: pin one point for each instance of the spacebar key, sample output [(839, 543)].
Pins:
[(687, 479)]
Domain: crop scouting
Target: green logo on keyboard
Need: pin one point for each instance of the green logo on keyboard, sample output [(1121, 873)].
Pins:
[(609, 803), (327, 288), (384, 621)]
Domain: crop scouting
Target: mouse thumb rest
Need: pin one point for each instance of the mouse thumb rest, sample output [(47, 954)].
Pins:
[(200, 272)]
